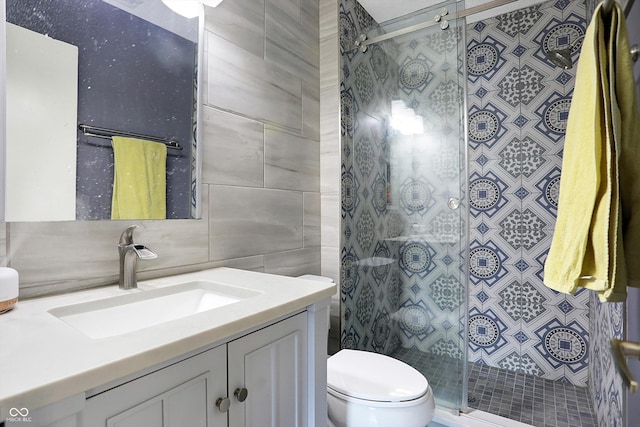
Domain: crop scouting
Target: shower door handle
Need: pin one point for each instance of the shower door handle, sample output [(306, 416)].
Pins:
[(453, 203)]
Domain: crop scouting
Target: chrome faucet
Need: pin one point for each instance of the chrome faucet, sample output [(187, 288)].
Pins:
[(129, 254)]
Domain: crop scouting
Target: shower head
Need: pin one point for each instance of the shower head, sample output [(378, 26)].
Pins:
[(562, 57)]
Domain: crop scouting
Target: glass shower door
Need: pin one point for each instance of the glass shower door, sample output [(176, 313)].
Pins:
[(403, 215)]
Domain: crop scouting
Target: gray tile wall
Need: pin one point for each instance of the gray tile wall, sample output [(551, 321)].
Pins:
[(261, 154), (330, 157)]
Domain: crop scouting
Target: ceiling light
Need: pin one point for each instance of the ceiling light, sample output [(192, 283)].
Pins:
[(405, 120), (189, 8)]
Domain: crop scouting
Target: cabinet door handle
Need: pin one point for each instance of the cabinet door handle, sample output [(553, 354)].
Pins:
[(241, 394), (223, 404)]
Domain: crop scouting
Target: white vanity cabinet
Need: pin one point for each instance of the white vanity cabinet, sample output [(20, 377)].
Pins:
[(263, 357), (272, 366), (259, 379), (177, 395)]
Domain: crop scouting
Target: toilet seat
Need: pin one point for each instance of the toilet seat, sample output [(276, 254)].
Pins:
[(381, 404), (372, 377), (366, 389)]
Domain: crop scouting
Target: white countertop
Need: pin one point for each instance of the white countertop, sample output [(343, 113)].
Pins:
[(44, 360)]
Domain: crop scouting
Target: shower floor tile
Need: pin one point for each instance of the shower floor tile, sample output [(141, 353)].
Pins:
[(529, 399), (520, 397)]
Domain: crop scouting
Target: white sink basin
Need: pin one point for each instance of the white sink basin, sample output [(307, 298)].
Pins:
[(127, 313)]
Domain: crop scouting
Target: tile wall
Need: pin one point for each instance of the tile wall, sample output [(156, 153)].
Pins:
[(517, 107), (330, 157), (518, 104), (239, 118), (525, 174), (401, 261), (261, 156), (369, 272)]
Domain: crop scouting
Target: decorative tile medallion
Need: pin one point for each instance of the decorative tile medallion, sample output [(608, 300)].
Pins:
[(554, 113), (485, 58), (415, 73), (417, 259), (563, 345), (486, 126), (559, 35), (486, 194), (348, 110), (486, 263), (416, 196), (379, 195), (350, 339), (381, 329), (415, 320), (486, 331), (379, 63), (347, 33), (348, 274), (349, 191), (381, 271), (549, 187)]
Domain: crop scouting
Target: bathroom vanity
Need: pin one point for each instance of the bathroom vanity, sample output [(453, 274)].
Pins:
[(257, 359)]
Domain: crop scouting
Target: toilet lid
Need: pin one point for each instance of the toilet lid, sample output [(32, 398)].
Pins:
[(371, 376)]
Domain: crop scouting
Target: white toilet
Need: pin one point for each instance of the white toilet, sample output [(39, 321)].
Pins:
[(372, 390)]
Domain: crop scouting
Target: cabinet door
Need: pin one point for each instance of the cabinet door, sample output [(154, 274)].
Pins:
[(182, 394), (272, 365)]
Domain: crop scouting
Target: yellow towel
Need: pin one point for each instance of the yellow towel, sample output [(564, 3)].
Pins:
[(599, 184), (139, 179)]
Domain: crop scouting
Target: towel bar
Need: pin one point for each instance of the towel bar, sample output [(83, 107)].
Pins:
[(99, 132)]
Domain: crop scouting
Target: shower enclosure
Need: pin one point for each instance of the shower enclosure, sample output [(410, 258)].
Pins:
[(452, 134), (403, 194)]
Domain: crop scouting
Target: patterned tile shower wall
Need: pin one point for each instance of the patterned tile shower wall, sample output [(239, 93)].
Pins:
[(426, 171), (369, 275), (401, 259), (518, 104), (517, 109)]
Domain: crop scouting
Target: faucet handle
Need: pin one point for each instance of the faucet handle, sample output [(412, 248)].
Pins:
[(126, 238)]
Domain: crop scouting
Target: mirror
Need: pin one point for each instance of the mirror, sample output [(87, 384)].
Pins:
[(122, 65)]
